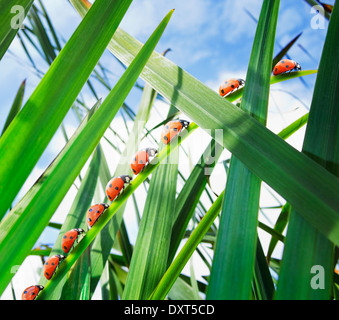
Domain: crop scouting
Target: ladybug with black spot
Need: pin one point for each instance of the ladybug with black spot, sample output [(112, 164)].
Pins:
[(230, 85), (286, 65), (141, 159), (116, 185), (172, 128), (31, 292), (51, 264), (94, 212), (69, 238)]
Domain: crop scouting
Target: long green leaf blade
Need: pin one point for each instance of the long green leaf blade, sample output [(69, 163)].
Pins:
[(11, 16), (234, 257), (16, 106), (33, 128), (297, 275)]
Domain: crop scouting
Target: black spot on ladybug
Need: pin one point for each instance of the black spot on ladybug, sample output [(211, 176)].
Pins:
[(165, 137), (46, 263), (287, 66), (276, 69), (89, 219), (282, 61), (116, 188), (109, 197), (98, 211), (222, 90), (134, 171), (25, 291), (65, 247), (46, 273), (64, 237), (140, 161), (135, 159), (232, 86), (175, 129), (71, 237), (33, 293), (90, 210), (110, 186), (52, 263)]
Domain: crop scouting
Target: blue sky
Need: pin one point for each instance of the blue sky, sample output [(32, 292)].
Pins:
[(210, 39)]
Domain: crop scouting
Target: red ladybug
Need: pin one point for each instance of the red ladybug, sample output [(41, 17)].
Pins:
[(141, 159), (285, 65), (230, 85), (69, 238), (171, 129), (116, 185), (51, 264), (94, 212), (31, 292)]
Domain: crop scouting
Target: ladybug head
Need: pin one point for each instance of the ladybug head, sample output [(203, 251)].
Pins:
[(184, 123), (79, 230), (297, 66), (40, 287), (104, 205), (126, 178), (61, 257), (151, 152), (241, 82)]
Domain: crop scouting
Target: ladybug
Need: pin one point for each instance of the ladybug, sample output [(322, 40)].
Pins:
[(230, 85), (171, 129), (31, 292), (116, 185), (286, 65), (141, 159), (69, 238), (94, 212), (51, 264)]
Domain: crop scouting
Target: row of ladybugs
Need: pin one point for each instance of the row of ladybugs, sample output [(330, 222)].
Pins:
[(281, 67), (113, 189), (141, 159)]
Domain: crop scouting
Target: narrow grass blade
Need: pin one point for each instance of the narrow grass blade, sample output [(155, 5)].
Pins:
[(149, 260), (12, 16), (233, 264), (190, 194), (282, 52), (30, 132), (297, 275), (16, 106), (172, 273)]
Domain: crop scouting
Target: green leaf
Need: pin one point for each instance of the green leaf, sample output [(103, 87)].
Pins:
[(234, 256), (172, 273), (190, 194), (149, 260), (16, 106), (296, 279), (32, 129), (11, 16)]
